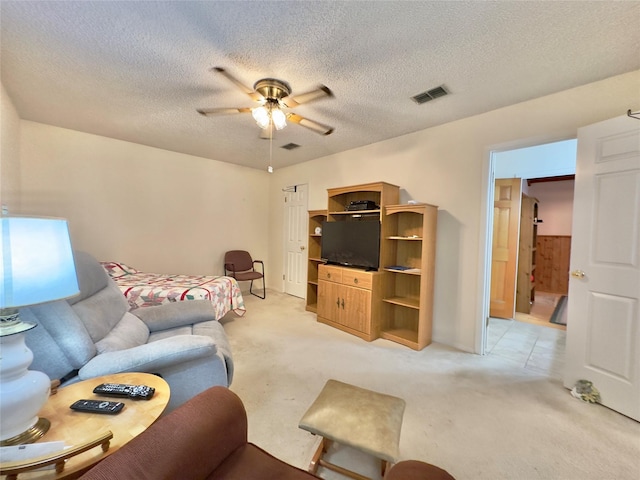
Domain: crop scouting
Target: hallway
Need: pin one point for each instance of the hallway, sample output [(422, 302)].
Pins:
[(542, 310), (531, 340)]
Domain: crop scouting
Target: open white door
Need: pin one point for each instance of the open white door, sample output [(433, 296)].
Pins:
[(295, 264), (603, 331)]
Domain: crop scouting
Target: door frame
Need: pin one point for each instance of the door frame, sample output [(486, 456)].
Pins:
[(486, 230)]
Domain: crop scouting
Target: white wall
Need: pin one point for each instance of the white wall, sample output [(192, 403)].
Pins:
[(555, 206), (156, 210), (170, 212), (446, 166), (9, 153), (548, 160)]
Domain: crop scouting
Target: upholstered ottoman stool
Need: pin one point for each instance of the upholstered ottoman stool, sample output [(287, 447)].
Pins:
[(359, 418)]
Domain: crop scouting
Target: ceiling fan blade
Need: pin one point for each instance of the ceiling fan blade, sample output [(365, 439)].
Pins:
[(321, 92), (221, 111), (249, 91), (310, 124)]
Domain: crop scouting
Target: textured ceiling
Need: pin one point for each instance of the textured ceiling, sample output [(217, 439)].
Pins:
[(137, 71)]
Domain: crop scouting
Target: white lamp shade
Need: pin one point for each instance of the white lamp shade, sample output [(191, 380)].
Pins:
[(279, 118), (36, 261), (261, 116)]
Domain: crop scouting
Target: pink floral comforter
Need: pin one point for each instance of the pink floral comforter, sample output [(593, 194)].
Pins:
[(149, 289)]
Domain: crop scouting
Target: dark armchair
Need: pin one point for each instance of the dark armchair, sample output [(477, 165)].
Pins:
[(239, 265)]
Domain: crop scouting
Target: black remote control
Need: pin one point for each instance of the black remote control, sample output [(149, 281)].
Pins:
[(97, 406), (135, 392)]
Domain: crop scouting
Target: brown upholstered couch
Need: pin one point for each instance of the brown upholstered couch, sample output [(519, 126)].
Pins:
[(206, 439)]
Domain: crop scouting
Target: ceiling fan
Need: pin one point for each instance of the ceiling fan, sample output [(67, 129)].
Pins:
[(274, 97)]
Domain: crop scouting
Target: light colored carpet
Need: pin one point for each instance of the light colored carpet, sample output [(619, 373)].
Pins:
[(478, 417)]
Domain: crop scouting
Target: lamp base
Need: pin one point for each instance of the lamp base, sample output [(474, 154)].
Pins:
[(23, 392), (30, 435)]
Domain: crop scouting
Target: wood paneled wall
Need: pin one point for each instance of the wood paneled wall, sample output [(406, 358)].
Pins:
[(552, 263)]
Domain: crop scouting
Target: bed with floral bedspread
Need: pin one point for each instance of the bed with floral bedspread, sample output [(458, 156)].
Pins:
[(144, 289)]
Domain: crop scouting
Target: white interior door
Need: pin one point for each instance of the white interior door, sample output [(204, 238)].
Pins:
[(295, 214), (603, 331)]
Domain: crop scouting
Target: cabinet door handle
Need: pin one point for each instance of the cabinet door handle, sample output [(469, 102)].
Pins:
[(328, 275), (343, 303), (355, 280), (338, 302)]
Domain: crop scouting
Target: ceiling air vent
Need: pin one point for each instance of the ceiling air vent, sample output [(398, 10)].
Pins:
[(429, 95), (290, 146)]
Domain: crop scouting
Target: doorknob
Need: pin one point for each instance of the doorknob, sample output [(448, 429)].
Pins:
[(578, 274)]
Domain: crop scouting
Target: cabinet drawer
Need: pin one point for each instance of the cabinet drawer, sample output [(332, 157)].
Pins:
[(356, 278), (333, 274)]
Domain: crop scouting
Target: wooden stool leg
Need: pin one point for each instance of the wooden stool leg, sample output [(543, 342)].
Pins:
[(315, 460), (326, 445), (384, 467)]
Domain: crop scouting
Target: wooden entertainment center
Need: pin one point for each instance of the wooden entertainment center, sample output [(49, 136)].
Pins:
[(396, 301)]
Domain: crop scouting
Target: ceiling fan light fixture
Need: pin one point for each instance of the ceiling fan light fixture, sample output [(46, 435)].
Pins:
[(265, 115), (261, 116), (273, 96), (279, 118)]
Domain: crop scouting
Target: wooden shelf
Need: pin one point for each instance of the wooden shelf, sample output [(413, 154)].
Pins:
[(403, 272), (408, 294), (404, 302), (314, 249), (356, 212), (394, 237), (403, 336)]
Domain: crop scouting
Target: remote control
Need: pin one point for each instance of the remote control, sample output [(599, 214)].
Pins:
[(97, 406), (123, 390)]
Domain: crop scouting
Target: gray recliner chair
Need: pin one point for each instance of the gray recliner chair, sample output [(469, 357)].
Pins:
[(94, 334)]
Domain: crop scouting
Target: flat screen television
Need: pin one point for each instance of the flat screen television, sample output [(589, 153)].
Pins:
[(352, 243)]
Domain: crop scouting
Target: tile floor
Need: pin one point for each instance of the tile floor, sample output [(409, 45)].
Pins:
[(534, 347)]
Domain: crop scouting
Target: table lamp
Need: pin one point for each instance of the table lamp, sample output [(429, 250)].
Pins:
[(36, 263)]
